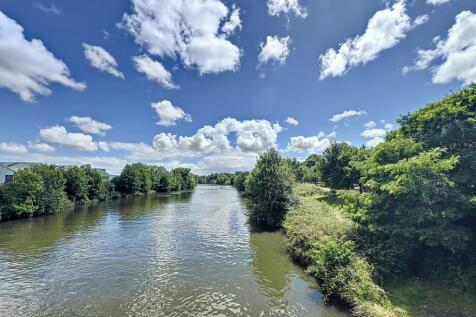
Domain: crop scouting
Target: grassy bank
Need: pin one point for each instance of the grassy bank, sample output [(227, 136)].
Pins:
[(322, 237)]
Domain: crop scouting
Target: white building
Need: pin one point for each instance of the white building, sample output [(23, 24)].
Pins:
[(8, 170)]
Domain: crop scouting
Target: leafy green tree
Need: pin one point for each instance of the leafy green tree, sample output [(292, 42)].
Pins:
[(239, 181), (269, 187), (53, 197), (22, 197), (410, 207), (96, 186), (135, 178), (335, 169), (76, 184)]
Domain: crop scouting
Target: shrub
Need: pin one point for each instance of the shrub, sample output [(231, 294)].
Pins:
[(269, 187)]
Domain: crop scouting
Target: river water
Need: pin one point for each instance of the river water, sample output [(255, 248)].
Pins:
[(184, 254)]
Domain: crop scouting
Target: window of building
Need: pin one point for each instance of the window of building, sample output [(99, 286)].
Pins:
[(8, 179)]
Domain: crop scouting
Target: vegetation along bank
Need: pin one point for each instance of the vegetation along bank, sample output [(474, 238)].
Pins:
[(390, 230), (46, 189)]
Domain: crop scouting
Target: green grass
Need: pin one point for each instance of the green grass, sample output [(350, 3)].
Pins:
[(425, 298), (320, 236)]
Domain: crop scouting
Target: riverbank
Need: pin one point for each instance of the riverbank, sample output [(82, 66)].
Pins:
[(324, 239)]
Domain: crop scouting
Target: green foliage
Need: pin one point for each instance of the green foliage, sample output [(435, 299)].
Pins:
[(44, 189), (269, 187), (217, 179), (239, 181), (35, 191), (320, 237), (335, 169), (76, 184), (139, 178)]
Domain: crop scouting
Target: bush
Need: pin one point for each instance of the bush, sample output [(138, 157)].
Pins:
[(269, 187), (320, 237)]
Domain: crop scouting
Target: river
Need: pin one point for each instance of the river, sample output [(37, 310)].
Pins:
[(183, 254)]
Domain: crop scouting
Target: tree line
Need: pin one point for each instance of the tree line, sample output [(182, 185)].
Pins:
[(411, 199), (45, 189)]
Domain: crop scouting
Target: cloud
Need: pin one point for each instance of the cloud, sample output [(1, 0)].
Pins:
[(420, 20), (229, 162), (13, 148), (188, 30), (457, 53), (376, 135), (374, 132), (292, 121), (41, 147), (27, 67), (154, 70), (437, 2), (76, 141), (275, 49), (278, 7), (228, 135), (347, 114), (169, 114), (88, 125), (370, 125), (101, 59), (385, 29), (233, 23), (312, 144), (51, 9), (375, 141)]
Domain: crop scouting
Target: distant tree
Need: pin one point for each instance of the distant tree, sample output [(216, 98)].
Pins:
[(53, 197), (335, 169), (239, 181), (135, 178), (76, 184), (96, 185), (269, 187), (22, 197)]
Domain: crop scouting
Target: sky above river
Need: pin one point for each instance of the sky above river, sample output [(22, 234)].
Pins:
[(210, 84)]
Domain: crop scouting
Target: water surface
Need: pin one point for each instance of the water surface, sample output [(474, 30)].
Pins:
[(185, 254)]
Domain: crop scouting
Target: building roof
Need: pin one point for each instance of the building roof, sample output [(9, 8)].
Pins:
[(15, 166)]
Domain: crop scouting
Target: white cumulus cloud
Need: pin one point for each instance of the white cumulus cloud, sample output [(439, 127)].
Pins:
[(27, 67), (189, 30), (77, 141), (169, 114), (437, 2), (374, 134), (41, 147), (385, 29), (457, 53), (347, 114), (13, 148), (233, 23), (311, 144), (89, 125), (275, 49), (278, 7), (154, 70), (101, 59), (292, 121)]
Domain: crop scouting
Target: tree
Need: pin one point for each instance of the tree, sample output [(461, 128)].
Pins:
[(335, 169), (135, 178), (95, 181), (22, 197), (53, 196), (76, 185), (269, 187), (239, 181)]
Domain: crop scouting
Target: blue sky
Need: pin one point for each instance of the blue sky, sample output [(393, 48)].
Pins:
[(210, 84)]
